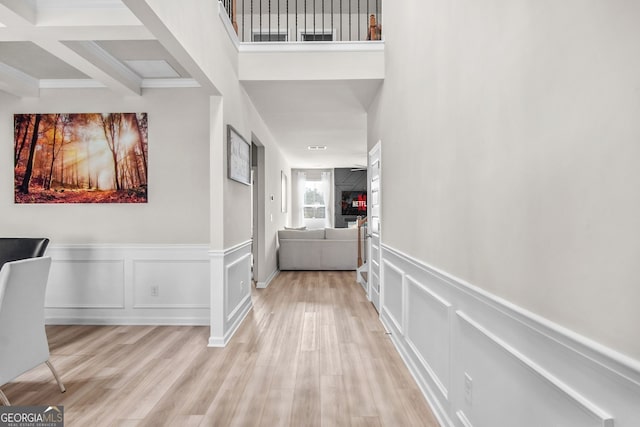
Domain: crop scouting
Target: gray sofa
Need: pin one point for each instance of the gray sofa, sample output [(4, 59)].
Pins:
[(324, 249)]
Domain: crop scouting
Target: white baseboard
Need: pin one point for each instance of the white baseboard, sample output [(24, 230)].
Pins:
[(273, 275), (481, 361), (133, 321), (243, 312)]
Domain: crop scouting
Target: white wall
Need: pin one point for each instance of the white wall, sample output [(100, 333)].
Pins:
[(519, 124), (213, 51), (510, 130), (178, 172)]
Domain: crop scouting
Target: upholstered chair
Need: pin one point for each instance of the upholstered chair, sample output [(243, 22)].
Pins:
[(15, 248), (23, 339)]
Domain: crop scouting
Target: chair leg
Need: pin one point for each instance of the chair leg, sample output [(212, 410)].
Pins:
[(55, 374), (4, 399)]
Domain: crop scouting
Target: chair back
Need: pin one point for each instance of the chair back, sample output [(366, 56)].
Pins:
[(15, 248), (23, 339)]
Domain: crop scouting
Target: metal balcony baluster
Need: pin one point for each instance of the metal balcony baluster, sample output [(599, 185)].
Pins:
[(323, 28)]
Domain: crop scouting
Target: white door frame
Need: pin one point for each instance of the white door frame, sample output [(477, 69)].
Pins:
[(374, 211), (258, 212)]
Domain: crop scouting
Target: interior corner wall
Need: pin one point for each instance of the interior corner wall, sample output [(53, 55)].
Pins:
[(513, 131), (178, 172)]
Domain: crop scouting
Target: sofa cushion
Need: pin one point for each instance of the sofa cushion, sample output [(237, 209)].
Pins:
[(341, 233), (300, 234), (317, 254)]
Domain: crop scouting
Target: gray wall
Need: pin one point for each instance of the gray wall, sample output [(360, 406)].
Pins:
[(346, 180)]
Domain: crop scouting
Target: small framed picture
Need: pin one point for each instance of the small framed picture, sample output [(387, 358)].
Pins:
[(238, 157)]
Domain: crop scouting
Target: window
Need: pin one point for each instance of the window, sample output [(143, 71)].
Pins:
[(317, 36), (314, 201), (269, 36), (312, 198), (310, 37)]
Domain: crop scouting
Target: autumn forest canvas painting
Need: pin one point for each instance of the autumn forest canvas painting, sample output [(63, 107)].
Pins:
[(80, 158)]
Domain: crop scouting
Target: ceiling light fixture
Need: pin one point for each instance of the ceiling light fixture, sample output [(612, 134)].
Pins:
[(317, 147)]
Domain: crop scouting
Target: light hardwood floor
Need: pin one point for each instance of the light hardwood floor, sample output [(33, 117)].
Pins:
[(311, 353)]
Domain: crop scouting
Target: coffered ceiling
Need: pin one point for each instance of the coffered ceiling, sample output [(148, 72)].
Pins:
[(81, 43), (49, 44)]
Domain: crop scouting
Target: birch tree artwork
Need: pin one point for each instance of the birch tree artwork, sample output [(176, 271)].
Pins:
[(80, 158)]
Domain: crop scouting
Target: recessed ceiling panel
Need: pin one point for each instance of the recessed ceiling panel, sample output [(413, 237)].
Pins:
[(36, 62), (141, 50), (152, 69), (79, 3)]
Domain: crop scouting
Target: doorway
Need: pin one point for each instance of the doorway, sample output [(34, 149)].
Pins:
[(257, 210), (374, 210)]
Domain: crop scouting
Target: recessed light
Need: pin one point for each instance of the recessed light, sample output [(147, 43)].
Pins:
[(317, 147)]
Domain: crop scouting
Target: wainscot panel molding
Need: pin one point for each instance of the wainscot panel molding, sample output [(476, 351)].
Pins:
[(393, 294), (484, 362), (230, 291), (436, 345), (128, 284)]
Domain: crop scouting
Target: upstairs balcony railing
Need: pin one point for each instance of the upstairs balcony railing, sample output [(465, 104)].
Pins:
[(305, 20)]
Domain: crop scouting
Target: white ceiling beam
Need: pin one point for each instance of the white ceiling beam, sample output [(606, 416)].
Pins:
[(96, 63), (53, 13), (17, 12), (18, 83), (148, 17), (84, 33)]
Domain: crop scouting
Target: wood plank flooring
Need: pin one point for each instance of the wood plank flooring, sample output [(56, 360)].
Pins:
[(311, 353)]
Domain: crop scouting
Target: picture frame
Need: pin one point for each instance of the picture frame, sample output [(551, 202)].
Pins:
[(283, 190), (238, 157), (81, 157)]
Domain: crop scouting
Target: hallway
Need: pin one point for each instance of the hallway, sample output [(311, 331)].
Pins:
[(311, 353)]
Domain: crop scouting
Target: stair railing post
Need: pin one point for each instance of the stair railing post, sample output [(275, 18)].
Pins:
[(234, 20)]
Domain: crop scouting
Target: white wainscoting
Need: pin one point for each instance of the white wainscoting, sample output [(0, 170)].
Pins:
[(128, 284), (483, 362), (230, 291)]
